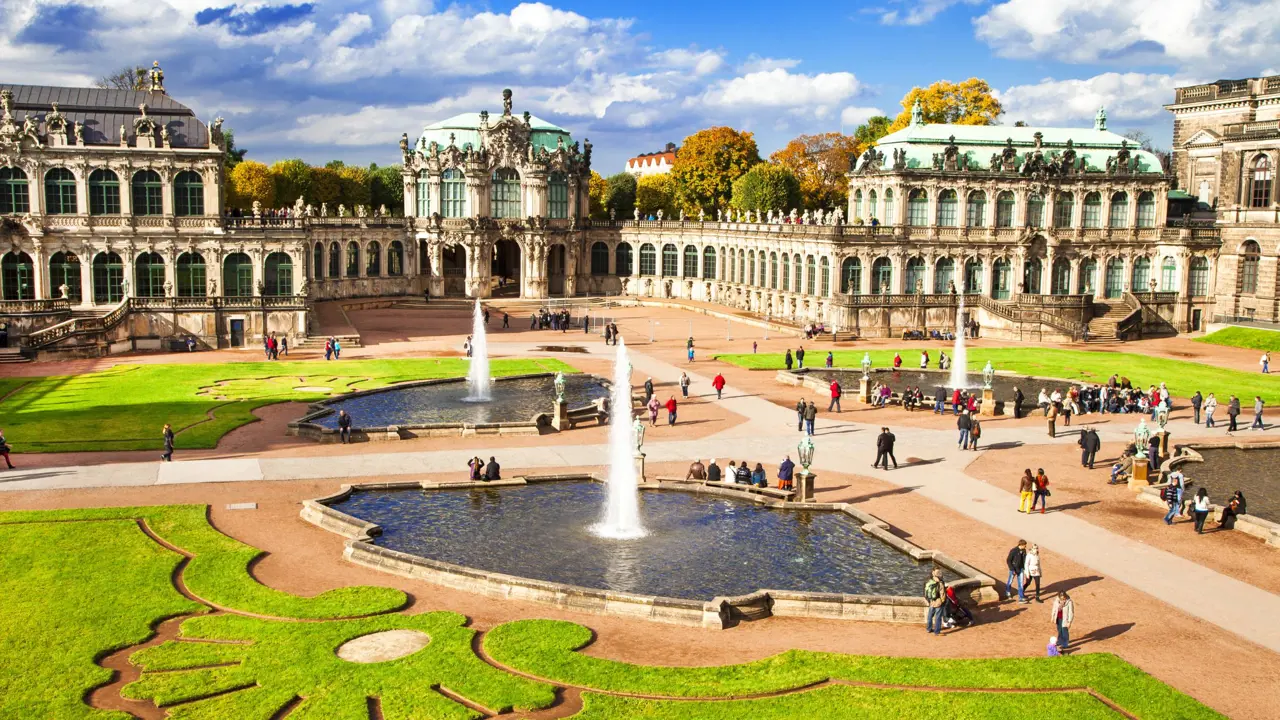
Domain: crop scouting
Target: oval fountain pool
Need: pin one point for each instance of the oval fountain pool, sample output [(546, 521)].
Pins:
[(698, 546)]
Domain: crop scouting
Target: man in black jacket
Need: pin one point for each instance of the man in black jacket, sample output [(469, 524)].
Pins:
[(1089, 445), (492, 471), (1015, 561), (713, 471), (884, 449), (344, 426), (1017, 403), (1196, 401)]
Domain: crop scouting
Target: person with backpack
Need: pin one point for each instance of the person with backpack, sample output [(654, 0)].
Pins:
[(935, 596), (1016, 561), (835, 396), (1041, 491)]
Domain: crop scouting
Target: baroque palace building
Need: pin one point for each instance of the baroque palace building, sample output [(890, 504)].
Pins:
[(113, 234)]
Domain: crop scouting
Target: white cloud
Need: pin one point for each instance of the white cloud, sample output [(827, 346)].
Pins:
[(700, 62), (593, 96), (916, 12), (1128, 98), (851, 116), (755, 63), (781, 89)]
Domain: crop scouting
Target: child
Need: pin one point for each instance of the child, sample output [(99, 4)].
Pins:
[(1052, 649)]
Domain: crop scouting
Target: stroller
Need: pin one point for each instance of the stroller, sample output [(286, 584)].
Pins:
[(955, 615)]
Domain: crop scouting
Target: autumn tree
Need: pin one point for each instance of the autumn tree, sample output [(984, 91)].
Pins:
[(819, 163), (326, 187), (234, 154), (386, 187), (870, 132), (965, 103), (126, 78), (249, 181), (354, 182), (620, 194), (708, 163), (654, 193), (766, 187), (595, 192), (293, 181)]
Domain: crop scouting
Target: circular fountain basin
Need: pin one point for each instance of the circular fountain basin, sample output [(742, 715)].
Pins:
[(698, 546), (930, 380), (1251, 470)]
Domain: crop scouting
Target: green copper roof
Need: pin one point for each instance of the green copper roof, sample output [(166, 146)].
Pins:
[(978, 142), (465, 129)]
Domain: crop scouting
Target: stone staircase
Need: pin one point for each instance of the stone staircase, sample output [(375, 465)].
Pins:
[(346, 340), (11, 356), (1104, 328)]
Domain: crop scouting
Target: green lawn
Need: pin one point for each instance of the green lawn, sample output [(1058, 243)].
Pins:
[(125, 407), (1243, 337), (1182, 377)]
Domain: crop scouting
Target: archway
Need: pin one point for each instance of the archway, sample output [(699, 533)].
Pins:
[(555, 269), (505, 268), (453, 266)]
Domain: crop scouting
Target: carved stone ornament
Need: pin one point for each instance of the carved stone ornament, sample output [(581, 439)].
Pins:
[(13, 137), (216, 137), (144, 125)]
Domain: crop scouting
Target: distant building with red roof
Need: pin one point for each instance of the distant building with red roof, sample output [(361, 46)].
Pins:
[(654, 163)]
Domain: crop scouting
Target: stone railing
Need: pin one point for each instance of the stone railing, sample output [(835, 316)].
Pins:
[(23, 307), (1156, 298), (249, 222), (1055, 301), (76, 326)]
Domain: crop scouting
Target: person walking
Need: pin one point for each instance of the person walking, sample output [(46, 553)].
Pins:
[(800, 358), (284, 346), (835, 396), (506, 321), (5, 450), (1172, 495), (1026, 491), (718, 384), (1031, 570), (328, 349), (671, 410), (1063, 614), (810, 415), (935, 596), (800, 408), (1200, 509), (344, 426), (1196, 402), (964, 423), (975, 432), (1041, 491), (167, 455), (831, 360), (1090, 443), (939, 400), (648, 389), (1265, 362), (1210, 405), (1257, 414), (1052, 417), (1233, 411), (1016, 560), (787, 359), (653, 410), (684, 384), (337, 349), (884, 449)]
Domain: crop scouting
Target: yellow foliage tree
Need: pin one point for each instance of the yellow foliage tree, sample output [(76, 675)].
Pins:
[(964, 103), (708, 163), (355, 186), (595, 191), (820, 162), (326, 187), (654, 193), (250, 180)]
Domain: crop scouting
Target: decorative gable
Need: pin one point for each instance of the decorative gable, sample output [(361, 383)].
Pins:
[(1202, 138)]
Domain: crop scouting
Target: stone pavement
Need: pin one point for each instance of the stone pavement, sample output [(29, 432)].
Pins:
[(769, 433)]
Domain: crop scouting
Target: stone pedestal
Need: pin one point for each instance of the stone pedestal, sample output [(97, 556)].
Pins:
[(1139, 479), (864, 391), (988, 408), (803, 483), (560, 417), (1163, 437), (639, 467)]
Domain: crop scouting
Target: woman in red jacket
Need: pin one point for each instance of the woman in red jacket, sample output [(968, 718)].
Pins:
[(671, 410)]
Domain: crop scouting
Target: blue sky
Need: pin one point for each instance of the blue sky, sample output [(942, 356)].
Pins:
[(340, 79)]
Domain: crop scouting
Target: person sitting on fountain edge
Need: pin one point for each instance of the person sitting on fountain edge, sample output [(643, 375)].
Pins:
[(697, 471), (743, 474), (758, 477), (492, 471), (713, 471)]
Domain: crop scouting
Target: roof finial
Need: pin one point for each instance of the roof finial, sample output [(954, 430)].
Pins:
[(157, 77), (506, 102), (1100, 120), (917, 113)]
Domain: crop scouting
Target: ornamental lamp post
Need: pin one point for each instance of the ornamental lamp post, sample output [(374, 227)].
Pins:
[(866, 366), (804, 479), (988, 375), (805, 451)]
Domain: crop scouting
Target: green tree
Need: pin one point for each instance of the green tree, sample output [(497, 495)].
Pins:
[(964, 103), (354, 182), (386, 187), (235, 155), (766, 187), (870, 132), (620, 195), (708, 163), (654, 193), (249, 181), (596, 188), (335, 164), (293, 181), (326, 187)]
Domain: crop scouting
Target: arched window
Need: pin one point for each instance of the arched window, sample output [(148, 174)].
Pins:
[(60, 192), (317, 261), (453, 193), (947, 208), (237, 275), (976, 209), (14, 195), (148, 275), (850, 276), (1035, 210), (1198, 277), (797, 284), (1060, 283), (708, 263), (622, 259), (1031, 272), (690, 261), (108, 278), (889, 217), (335, 260), (648, 259), (424, 194), (944, 275), (670, 261), (104, 193), (918, 208), (191, 275), (353, 259), (64, 269), (1004, 209), (786, 272), (1169, 275), (742, 267), (504, 193), (17, 277), (1000, 272), (824, 272), (279, 275), (881, 276), (395, 258), (1119, 217), (810, 273), (188, 194), (1088, 282), (915, 276), (751, 267), (1064, 207), (1146, 210), (1249, 257), (147, 193), (599, 259), (373, 259), (871, 206), (973, 276), (558, 196), (857, 205), (1114, 279), (1260, 186), (773, 271), (1092, 210)]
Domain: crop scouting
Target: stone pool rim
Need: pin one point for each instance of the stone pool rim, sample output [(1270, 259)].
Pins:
[(720, 612), (1261, 528), (306, 428), (801, 377)]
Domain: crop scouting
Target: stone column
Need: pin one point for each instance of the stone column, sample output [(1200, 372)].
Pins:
[(82, 191), (126, 190), (570, 269), (410, 180), (86, 279), (435, 281), (35, 187), (39, 271), (166, 192), (478, 194), (171, 272)]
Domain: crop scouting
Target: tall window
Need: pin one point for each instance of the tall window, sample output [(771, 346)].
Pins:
[(881, 276), (14, 195), (1035, 210), (453, 193), (751, 267), (773, 271), (1115, 278), (317, 261), (188, 194), (824, 272), (1004, 209), (335, 260), (976, 211), (622, 259), (871, 206), (148, 195), (1260, 187), (889, 217), (1060, 283), (353, 259), (599, 259), (1088, 282), (372, 259), (1147, 210), (947, 208), (796, 281), (395, 258), (786, 272), (279, 275), (690, 261), (708, 263), (1199, 277), (1031, 271), (504, 197), (918, 208), (1119, 217), (850, 276), (558, 196), (17, 277), (148, 275), (60, 192), (191, 275), (1169, 275), (1092, 210), (108, 278), (915, 276), (944, 274), (64, 269), (670, 261), (237, 275), (1250, 255), (1064, 207), (857, 205), (424, 194), (1000, 272), (973, 276), (104, 193), (810, 275), (648, 260)]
